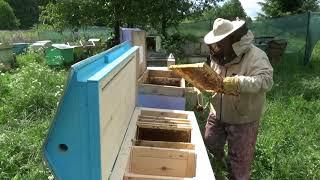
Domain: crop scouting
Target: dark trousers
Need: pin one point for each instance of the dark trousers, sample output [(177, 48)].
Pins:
[(241, 139)]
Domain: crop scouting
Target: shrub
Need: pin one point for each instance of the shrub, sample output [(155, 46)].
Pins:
[(7, 18), (173, 44)]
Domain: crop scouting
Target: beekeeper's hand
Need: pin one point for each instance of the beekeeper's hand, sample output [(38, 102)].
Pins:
[(231, 85)]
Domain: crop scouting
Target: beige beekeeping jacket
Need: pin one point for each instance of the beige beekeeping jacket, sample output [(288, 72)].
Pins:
[(255, 73)]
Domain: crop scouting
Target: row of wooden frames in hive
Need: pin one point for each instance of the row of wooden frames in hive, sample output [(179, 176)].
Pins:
[(105, 128)]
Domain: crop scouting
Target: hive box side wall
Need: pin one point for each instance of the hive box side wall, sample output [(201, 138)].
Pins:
[(117, 103), (69, 146), (138, 38), (61, 134), (162, 161), (203, 167), (161, 96)]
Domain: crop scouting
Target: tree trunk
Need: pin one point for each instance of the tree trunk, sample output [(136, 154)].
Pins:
[(116, 40)]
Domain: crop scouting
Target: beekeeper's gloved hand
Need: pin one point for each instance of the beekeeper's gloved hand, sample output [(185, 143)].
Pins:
[(231, 85)]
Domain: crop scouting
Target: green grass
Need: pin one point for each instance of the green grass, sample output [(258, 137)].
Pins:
[(288, 143), (56, 37), (28, 99)]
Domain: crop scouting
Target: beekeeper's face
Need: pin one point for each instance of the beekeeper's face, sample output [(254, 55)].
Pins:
[(222, 50)]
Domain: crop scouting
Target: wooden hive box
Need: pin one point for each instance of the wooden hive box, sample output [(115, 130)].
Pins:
[(99, 133), (159, 87)]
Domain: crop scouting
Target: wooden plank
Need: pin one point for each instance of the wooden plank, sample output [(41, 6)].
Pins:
[(168, 81), (161, 161), (164, 118), (191, 165), (161, 90), (116, 107), (152, 125), (203, 167), (163, 121), (163, 144), (163, 73), (139, 39), (121, 165), (144, 77), (132, 176), (155, 152), (164, 113)]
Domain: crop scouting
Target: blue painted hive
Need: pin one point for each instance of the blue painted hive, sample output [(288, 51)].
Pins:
[(99, 133), (73, 149)]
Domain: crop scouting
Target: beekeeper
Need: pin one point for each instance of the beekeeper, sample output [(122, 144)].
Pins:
[(247, 73)]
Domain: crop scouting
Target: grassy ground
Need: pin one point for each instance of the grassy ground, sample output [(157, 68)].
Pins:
[(28, 99), (287, 148), (35, 34), (288, 144)]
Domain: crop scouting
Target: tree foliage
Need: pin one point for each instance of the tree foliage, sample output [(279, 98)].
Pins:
[(8, 20), (159, 15), (167, 13), (229, 10), (26, 11), (278, 8), (72, 14)]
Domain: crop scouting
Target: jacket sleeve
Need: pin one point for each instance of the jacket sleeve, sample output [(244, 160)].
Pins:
[(259, 78)]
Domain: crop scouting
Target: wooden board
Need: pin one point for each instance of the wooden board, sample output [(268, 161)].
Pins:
[(203, 167), (168, 81), (162, 72), (132, 176), (163, 144), (160, 114), (162, 161), (116, 107), (161, 81), (201, 76), (139, 39), (163, 120)]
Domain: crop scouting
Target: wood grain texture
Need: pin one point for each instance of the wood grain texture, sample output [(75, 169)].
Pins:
[(202, 166), (162, 161), (160, 114), (163, 144), (168, 81), (116, 107), (161, 81), (133, 176)]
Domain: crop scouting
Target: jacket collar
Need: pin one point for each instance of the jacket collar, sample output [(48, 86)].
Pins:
[(241, 48)]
